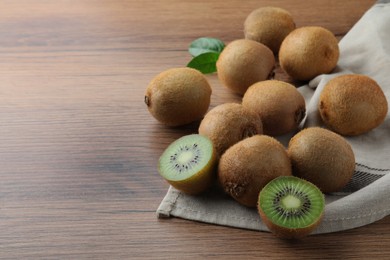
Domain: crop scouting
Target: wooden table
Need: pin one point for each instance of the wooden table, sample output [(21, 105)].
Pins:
[(78, 148)]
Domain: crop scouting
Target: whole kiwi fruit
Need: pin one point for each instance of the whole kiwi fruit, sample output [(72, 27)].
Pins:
[(178, 96), (247, 166), (189, 164), (244, 62), (291, 207), (352, 104), (279, 104), (322, 157), (269, 26), (308, 52), (229, 123)]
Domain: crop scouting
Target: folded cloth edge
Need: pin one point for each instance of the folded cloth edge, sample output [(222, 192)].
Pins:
[(337, 216)]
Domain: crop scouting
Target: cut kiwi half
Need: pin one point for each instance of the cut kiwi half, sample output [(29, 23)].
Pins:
[(291, 207), (189, 164)]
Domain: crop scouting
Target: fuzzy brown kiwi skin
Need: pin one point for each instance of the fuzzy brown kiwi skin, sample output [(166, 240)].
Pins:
[(229, 123), (244, 62), (269, 26), (352, 104), (322, 157), (247, 166), (280, 106), (308, 52), (178, 96), (288, 233)]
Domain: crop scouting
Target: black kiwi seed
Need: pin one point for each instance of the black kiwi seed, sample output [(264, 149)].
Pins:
[(195, 158)]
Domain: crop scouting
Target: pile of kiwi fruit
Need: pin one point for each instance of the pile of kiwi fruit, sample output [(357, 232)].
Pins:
[(236, 148)]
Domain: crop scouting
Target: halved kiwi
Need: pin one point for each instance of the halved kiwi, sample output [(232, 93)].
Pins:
[(291, 207), (189, 164)]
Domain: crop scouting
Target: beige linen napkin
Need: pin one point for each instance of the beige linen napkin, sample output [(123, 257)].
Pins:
[(366, 198)]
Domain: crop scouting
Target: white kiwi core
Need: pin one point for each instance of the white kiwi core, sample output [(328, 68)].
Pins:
[(291, 202)]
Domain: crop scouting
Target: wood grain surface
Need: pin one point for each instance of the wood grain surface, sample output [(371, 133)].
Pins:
[(78, 148)]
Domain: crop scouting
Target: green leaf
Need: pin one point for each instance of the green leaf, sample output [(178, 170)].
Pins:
[(205, 44), (205, 62)]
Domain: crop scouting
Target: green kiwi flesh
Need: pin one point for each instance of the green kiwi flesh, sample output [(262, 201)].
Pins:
[(188, 164), (291, 207)]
